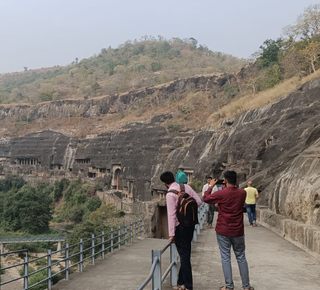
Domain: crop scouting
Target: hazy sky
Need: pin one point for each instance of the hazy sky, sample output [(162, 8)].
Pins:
[(42, 33)]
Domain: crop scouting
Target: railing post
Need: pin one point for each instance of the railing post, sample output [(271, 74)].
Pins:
[(111, 240), (25, 273), (131, 232), (119, 237), (81, 256), (200, 217), (102, 245), (194, 234), (92, 249), (136, 229), (203, 213), (198, 229), (49, 269), (67, 261), (141, 228), (59, 246), (125, 235), (156, 277), (174, 269)]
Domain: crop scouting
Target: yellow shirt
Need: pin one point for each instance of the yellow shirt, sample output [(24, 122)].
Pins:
[(251, 195)]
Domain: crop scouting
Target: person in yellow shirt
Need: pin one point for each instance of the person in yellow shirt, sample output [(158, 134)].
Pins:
[(252, 196)]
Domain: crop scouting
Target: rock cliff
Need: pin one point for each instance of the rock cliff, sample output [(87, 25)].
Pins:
[(277, 146)]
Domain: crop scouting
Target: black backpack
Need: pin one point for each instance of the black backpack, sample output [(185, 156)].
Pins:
[(187, 208)]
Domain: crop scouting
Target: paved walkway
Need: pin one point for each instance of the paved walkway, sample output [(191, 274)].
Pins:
[(274, 263)]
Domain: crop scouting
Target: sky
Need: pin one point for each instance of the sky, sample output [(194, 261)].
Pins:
[(44, 33)]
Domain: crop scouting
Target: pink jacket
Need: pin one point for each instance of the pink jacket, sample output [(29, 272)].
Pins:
[(172, 200)]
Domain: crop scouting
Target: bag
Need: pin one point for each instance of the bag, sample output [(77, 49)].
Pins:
[(187, 208)]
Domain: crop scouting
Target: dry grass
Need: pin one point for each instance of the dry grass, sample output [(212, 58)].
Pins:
[(251, 102), (194, 111)]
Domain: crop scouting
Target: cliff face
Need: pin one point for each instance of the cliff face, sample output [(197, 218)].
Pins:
[(277, 147), (113, 104)]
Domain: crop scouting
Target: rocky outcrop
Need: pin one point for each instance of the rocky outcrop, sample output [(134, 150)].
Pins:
[(113, 104), (278, 147)]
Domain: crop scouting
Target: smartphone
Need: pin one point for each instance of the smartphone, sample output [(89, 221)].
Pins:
[(220, 181)]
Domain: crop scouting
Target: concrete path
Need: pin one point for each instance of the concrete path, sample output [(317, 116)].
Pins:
[(126, 269), (274, 264)]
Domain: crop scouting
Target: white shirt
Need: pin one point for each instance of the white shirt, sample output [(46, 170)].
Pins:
[(206, 186)]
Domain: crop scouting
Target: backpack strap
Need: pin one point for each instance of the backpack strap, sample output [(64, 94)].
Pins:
[(174, 191), (182, 187)]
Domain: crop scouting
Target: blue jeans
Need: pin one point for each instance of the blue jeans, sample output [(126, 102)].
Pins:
[(238, 246), (183, 238), (251, 211)]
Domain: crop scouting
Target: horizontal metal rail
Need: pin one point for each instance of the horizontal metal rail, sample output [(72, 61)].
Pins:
[(153, 267), (31, 239), (75, 255), (172, 264), (13, 252)]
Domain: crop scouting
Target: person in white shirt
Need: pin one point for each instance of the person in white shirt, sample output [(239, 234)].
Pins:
[(210, 207)]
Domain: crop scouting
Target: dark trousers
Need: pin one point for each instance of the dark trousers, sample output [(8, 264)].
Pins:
[(183, 238), (210, 213)]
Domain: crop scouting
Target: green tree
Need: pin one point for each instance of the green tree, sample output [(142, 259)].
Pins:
[(76, 214), (59, 187), (28, 209), (74, 186), (270, 52), (11, 181), (95, 87), (93, 203)]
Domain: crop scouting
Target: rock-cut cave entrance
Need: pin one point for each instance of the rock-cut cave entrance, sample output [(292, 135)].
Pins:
[(162, 223)]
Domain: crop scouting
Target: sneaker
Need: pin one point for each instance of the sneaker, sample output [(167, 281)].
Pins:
[(254, 223), (251, 226)]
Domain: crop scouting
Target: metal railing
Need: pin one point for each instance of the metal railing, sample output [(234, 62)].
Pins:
[(155, 271), (74, 255)]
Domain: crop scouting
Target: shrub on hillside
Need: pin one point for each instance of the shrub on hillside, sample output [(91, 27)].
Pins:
[(231, 90), (93, 203), (196, 185), (84, 231)]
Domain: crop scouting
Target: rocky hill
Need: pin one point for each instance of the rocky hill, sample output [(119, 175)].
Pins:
[(131, 66), (277, 146)]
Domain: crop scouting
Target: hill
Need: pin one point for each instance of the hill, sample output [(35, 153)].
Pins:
[(131, 66)]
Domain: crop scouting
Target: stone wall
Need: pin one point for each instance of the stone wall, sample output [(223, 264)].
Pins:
[(306, 237)]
